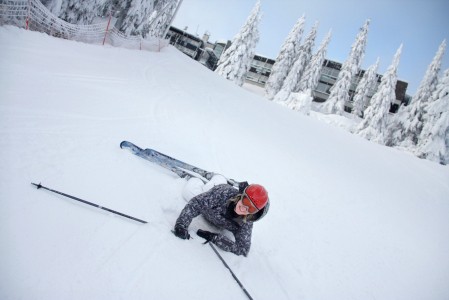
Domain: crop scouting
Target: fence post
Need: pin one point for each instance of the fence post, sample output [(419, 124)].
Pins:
[(28, 14), (107, 28)]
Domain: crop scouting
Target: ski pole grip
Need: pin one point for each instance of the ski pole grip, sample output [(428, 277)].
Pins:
[(38, 186)]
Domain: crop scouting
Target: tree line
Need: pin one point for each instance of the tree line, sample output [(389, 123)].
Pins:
[(422, 127), (134, 17)]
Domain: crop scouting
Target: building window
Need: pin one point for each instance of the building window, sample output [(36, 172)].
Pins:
[(323, 87), (332, 73)]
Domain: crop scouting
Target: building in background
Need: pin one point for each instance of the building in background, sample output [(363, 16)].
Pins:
[(208, 54), (329, 74), (187, 43), (197, 48), (260, 70), (220, 47)]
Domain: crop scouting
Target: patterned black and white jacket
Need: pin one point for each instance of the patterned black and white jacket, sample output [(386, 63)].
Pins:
[(217, 207)]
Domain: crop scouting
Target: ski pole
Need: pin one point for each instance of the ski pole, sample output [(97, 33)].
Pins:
[(232, 273), (39, 186)]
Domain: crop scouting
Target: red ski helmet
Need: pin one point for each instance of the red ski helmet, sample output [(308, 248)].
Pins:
[(257, 194)]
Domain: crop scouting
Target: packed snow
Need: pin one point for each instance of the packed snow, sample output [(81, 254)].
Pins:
[(349, 219)]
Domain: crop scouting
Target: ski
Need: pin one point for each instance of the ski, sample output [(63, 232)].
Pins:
[(177, 166), (158, 157), (159, 160)]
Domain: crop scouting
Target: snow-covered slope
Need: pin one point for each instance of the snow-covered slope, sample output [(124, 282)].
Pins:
[(349, 219)]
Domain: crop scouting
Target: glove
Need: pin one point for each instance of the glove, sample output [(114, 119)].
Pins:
[(181, 232), (207, 235)]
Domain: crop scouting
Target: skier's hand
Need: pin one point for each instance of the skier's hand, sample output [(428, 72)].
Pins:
[(182, 233), (207, 235)]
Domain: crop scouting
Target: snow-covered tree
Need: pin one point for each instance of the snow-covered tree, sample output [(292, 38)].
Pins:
[(79, 12), (434, 139), (311, 75), (410, 120), (108, 8), (292, 80), (53, 5), (154, 25), (236, 60), (374, 125), (300, 101), (339, 92), (364, 89), (160, 19), (285, 59), (137, 14)]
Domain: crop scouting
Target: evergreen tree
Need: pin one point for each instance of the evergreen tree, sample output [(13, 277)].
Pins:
[(300, 101), (54, 6), (374, 125), (80, 12), (410, 120), (312, 73), (364, 88), (339, 93), (160, 19), (236, 60), (108, 8), (434, 139), (292, 80), (137, 14), (285, 59), (154, 26)]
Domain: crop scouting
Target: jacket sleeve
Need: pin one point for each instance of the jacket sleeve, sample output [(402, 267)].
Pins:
[(190, 211), (242, 242)]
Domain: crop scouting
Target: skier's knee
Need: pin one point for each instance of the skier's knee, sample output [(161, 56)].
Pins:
[(215, 180), (193, 187)]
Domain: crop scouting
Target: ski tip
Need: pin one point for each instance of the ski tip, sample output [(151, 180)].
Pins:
[(122, 144)]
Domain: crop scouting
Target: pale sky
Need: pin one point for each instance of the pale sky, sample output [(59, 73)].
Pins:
[(421, 25)]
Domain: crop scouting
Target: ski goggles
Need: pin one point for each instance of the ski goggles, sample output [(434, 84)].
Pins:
[(246, 201)]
